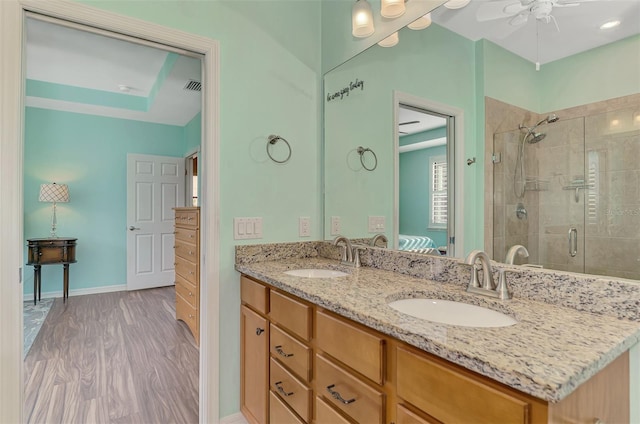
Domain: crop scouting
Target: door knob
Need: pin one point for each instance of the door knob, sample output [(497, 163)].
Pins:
[(132, 228)]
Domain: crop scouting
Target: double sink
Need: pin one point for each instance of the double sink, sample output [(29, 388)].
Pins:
[(434, 310)]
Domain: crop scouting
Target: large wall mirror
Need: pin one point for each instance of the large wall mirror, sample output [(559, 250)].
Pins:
[(577, 207)]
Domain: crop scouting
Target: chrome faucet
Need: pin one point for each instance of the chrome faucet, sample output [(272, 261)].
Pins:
[(347, 250), (350, 252), (514, 251), (488, 287), (374, 240)]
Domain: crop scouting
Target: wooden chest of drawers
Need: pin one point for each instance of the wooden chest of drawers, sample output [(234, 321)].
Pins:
[(187, 268)]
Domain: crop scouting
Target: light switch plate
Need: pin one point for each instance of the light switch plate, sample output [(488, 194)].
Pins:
[(376, 224), (247, 228)]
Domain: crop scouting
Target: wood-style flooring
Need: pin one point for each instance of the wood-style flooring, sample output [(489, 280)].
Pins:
[(113, 358)]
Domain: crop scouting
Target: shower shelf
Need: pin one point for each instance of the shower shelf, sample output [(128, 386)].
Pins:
[(536, 184)]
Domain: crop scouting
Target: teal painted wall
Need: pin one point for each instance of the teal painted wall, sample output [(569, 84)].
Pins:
[(414, 196), (89, 153), (193, 134), (365, 118), (270, 83)]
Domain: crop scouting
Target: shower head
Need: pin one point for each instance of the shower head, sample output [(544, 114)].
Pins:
[(548, 120), (535, 137)]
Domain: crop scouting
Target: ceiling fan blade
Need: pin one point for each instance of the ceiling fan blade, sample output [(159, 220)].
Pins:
[(520, 19), (491, 10), (402, 132), (572, 4), (409, 122)]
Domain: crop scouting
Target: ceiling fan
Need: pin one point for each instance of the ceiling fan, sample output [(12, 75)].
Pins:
[(407, 123), (520, 10)]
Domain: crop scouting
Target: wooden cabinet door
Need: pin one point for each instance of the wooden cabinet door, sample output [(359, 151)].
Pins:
[(254, 366)]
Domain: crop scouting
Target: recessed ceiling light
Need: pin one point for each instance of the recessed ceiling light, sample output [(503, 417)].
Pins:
[(124, 88), (609, 24)]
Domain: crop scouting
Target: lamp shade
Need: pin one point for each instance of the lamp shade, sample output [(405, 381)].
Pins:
[(362, 19), (421, 23), (54, 193), (392, 8), (390, 41)]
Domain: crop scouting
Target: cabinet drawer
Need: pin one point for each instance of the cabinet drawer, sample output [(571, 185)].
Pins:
[(187, 251), (348, 393), (187, 291), (450, 396), (290, 314), (188, 217), (186, 234), (290, 352), (187, 270), (188, 314), (405, 416), (279, 413), (293, 391), (325, 414), (355, 348), (254, 294)]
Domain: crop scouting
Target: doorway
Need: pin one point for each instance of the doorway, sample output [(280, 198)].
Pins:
[(14, 12)]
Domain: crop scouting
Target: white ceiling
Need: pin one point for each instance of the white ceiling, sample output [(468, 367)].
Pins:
[(71, 57), (413, 121), (579, 26)]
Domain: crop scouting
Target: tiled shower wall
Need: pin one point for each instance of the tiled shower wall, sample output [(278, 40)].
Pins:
[(591, 154)]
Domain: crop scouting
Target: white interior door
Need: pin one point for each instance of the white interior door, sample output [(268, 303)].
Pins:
[(155, 185)]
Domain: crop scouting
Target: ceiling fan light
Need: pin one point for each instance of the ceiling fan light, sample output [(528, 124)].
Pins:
[(610, 24), (390, 41), (362, 19), (392, 8), (421, 23), (456, 4)]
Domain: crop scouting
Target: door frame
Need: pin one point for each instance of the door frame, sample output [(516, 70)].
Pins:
[(12, 28)]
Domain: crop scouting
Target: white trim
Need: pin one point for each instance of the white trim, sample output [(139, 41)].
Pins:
[(11, 180), (237, 418), (634, 381), (423, 145), (458, 177), (78, 292)]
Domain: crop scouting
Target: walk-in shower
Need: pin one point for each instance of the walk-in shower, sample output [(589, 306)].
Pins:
[(529, 137)]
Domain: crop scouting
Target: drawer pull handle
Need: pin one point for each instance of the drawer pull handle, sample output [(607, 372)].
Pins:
[(190, 252), (281, 390), (190, 294), (259, 331), (282, 352), (336, 395)]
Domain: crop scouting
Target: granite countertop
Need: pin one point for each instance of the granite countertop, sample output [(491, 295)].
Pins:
[(547, 354)]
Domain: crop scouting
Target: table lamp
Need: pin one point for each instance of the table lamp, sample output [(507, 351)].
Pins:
[(54, 193)]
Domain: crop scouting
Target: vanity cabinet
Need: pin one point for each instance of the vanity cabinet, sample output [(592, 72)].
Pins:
[(312, 365), (187, 267)]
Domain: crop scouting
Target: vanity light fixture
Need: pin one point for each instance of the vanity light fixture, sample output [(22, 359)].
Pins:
[(456, 4), (390, 41), (421, 23), (609, 24), (392, 8), (636, 118), (362, 19)]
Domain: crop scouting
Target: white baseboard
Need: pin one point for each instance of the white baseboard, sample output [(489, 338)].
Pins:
[(78, 292), (234, 419)]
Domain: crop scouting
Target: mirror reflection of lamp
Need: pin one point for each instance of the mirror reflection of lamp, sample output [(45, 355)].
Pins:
[(54, 193)]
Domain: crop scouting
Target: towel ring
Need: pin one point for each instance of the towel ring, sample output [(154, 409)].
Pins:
[(273, 139), (361, 151)]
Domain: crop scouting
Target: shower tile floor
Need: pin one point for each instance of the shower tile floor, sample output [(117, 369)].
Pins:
[(33, 318)]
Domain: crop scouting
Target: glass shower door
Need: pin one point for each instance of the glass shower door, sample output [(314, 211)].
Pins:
[(539, 194)]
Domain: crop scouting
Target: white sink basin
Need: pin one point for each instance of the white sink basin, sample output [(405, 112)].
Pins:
[(316, 273), (452, 313)]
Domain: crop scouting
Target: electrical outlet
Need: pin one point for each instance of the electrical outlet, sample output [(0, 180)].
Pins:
[(376, 224), (335, 225), (304, 226)]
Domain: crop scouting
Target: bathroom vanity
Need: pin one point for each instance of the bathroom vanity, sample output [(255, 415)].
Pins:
[(331, 350)]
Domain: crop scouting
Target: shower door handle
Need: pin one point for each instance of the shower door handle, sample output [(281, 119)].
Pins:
[(573, 242)]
